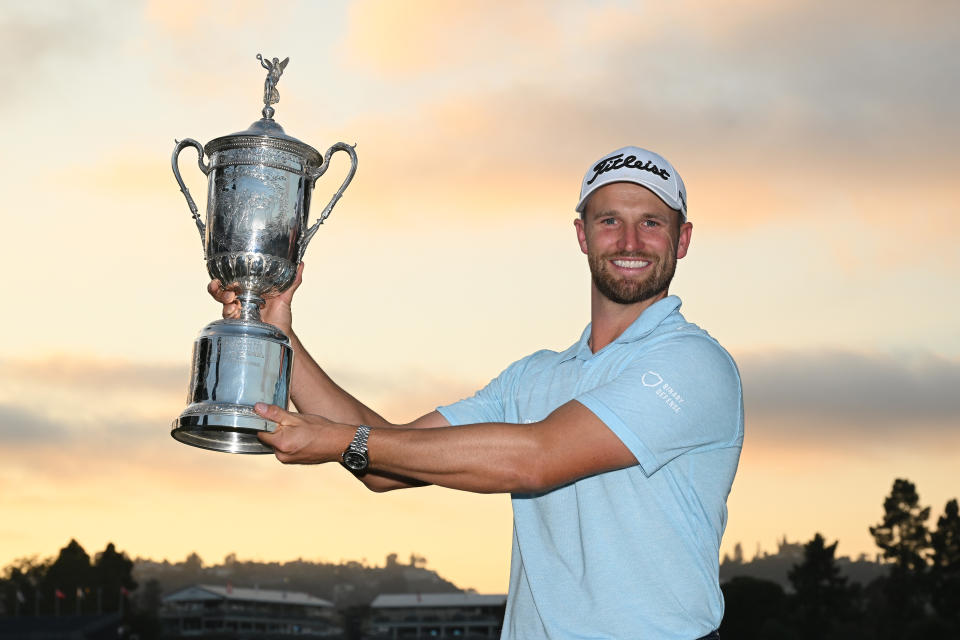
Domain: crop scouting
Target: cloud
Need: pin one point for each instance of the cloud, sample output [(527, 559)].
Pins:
[(747, 73), (78, 402), (34, 429), (81, 449), (862, 392), (490, 110), (93, 373), (38, 38), (808, 116), (415, 38), (19, 426), (83, 404), (787, 64), (38, 30), (187, 20)]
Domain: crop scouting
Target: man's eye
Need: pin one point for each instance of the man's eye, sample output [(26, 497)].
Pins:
[(651, 223), (608, 221)]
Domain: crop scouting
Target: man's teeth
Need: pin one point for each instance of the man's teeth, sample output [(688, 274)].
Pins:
[(631, 264)]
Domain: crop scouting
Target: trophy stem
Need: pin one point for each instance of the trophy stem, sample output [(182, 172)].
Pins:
[(250, 306)]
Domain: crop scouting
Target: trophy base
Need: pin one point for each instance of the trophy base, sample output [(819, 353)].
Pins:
[(236, 364), (227, 428)]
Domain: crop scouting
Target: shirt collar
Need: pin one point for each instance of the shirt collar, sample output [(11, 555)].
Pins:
[(651, 318)]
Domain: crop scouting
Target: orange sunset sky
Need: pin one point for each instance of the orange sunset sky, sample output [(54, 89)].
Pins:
[(818, 141)]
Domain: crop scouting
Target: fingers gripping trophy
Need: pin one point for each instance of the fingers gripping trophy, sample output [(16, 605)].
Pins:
[(259, 183)]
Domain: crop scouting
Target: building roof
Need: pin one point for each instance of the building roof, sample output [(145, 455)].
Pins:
[(405, 600), (212, 592)]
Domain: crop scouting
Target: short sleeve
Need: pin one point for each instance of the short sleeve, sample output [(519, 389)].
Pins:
[(487, 404), (680, 395)]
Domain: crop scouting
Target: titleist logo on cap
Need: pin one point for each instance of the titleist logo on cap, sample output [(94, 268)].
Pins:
[(630, 162)]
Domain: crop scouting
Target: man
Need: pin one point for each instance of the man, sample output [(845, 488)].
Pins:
[(619, 452)]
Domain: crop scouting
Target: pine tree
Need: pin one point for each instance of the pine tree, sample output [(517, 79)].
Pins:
[(900, 602), (903, 534), (822, 599), (945, 572)]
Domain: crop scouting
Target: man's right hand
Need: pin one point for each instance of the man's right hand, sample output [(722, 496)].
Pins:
[(276, 311)]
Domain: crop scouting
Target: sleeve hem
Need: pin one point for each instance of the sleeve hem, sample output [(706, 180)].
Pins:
[(450, 415), (639, 450)]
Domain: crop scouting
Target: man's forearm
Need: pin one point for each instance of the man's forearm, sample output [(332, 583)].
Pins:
[(483, 458), (570, 443)]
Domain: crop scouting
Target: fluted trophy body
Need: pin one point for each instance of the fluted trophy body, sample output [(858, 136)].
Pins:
[(258, 199), (256, 228)]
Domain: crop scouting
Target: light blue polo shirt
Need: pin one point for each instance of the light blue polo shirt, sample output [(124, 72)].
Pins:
[(632, 553)]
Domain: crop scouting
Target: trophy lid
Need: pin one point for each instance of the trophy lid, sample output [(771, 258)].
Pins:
[(266, 132)]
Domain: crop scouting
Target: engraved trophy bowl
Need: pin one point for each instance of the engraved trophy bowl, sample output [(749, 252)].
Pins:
[(259, 184)]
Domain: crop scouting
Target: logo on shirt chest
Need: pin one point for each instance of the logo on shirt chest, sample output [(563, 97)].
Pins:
[(663, 390)]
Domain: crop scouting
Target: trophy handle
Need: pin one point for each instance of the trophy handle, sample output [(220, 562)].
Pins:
[(190, 142), (340, 146)]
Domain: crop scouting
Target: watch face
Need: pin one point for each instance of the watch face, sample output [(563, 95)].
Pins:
[(354, 460)]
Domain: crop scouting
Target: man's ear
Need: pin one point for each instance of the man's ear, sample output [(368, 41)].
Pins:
[(581, 234), (683, 242)]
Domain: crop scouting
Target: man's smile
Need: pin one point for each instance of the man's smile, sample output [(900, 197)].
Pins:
[(630, 263)]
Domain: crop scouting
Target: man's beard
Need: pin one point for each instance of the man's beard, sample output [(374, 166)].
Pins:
[(630, 291)]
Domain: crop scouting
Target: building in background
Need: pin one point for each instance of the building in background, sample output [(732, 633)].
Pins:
[(465, 616), (204, 611)]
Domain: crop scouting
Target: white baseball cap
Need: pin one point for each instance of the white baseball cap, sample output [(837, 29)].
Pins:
[(639, 166)]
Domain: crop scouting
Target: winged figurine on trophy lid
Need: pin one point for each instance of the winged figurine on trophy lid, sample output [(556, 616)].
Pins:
[(270, 94)]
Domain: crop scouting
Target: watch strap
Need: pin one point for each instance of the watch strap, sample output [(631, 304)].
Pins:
[(359, 442), (358, 448)]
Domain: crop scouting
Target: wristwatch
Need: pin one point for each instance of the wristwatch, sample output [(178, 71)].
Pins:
[(355, 456)]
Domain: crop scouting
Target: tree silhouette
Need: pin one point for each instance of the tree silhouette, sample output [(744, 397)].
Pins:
[(22, 579), (903, 534), (113, 578), (151, 597), (822, 602), (945, 572), (193, 563), (899, 601), (66, 580), (754, 609)]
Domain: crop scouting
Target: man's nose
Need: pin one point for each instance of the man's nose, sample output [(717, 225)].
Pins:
[(630, 240)]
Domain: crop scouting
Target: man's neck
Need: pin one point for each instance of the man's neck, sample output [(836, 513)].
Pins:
[(608, 319)]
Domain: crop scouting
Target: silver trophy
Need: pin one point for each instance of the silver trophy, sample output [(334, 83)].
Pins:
[(259, 183)]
